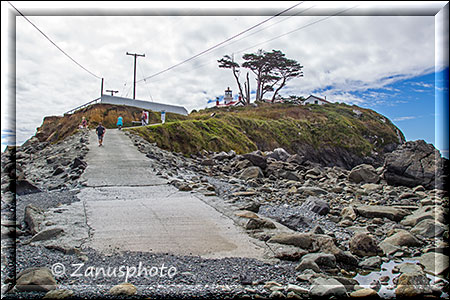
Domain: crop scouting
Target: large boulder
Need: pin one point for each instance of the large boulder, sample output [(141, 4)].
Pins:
[(398, 239), (35, 279), (256, 160), (251, 173), (429, 228), (435, 263), (415, 163), (363, 244), (363, 174), (279, 154), (413, 285)]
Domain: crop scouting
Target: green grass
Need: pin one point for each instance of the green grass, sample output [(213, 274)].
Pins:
[(269, 126)]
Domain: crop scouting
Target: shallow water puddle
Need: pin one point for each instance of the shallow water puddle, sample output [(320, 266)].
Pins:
[(387, 289)]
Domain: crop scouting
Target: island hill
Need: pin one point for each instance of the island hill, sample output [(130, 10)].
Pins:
[(333, 134)]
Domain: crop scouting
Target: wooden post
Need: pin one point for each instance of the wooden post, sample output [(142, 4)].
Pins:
[(134, 85)]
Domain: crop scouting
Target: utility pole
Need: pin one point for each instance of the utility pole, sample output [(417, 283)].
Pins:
[(135, 55), (112, 92), (101, 92)]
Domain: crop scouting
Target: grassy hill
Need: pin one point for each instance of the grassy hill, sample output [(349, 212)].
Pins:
[(332, 134), (55, 128), (320, 133)]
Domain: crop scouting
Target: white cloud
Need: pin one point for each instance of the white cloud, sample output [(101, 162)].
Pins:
[(405, 118), (345, 53)]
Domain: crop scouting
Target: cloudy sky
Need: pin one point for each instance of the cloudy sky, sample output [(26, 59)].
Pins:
[(363, 53)]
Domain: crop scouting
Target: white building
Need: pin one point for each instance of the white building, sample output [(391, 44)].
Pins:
[(315, 100), (228, 97)]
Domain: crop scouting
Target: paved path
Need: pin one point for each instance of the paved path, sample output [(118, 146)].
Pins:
[(129, 208)]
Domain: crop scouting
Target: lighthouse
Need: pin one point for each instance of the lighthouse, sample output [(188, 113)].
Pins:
[(228, 98)]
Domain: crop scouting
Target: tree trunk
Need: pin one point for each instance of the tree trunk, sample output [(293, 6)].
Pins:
[(248, 89), (237, 81), (279, 88)]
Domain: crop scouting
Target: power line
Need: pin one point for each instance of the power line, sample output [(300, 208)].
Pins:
[(274, 38), (221, 43), (148, 89), (54, 43), (297, 29)]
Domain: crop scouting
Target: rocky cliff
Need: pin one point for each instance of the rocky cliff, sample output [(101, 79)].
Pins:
[(332, 134)]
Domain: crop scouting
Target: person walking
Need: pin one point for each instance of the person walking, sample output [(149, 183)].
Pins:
[(83, 123), (119, 122), (143, 118), (100, 133)]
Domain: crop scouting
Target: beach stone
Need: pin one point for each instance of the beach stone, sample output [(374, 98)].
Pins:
[(364, 293), (373, 262), (317, 205), (323, 287), (302, 240), (247, 214), (363, 244), (24, 187), (279, 154), (46, 234), (33, 217), (348, 213), (428, 228), (363, 173), (221, 156), (125, 289), (321, 259), (256, 160), (423, 213), (288, 252), (379, 211), (402, 238), (251, 173), (259, 223), (413, 285), (296, 289), (409, 268), (434, 262), (35, 279)]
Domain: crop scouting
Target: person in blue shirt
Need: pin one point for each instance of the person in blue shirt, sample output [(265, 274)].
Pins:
[(119, 122)]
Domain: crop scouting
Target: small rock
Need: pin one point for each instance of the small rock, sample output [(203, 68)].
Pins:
[(364, 293), (126, 289), (259, 223)]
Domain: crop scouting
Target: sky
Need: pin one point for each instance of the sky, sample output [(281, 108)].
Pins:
[(386, 56)]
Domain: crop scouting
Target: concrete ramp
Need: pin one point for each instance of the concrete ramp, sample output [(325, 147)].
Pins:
[(129, 208)]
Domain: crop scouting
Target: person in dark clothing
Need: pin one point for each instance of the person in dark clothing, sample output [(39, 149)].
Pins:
[(100, 133)]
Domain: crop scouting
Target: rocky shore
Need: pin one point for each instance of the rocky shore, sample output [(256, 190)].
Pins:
[(350, 233)]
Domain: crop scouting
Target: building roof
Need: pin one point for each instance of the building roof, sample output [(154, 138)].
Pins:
[(153, 106), (321, 99)]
